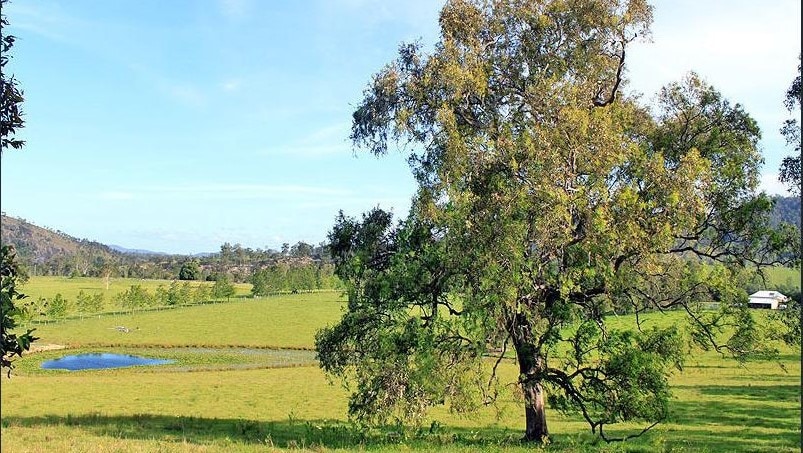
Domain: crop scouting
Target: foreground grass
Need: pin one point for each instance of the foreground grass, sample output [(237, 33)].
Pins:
[(132, 410), (221, 397)]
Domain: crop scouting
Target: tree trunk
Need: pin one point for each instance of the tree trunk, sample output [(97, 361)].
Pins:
[(531, 367), (534, 411)]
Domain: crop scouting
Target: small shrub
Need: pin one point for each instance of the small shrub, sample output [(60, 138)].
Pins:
[(57, 307)]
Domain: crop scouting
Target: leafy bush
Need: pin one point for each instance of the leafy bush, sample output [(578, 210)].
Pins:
[(57, 307), (134, 297)]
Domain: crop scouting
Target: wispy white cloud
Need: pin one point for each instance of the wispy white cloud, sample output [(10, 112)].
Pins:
[(262, 190), (49, 20), (337, 131), (185, 93), (235, 9), (327, 140), (43, 19), (416, 14), (311, 151), (181, 91), (225, 192), (231, 85)]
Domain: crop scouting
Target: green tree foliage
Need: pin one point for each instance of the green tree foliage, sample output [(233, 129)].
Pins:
[(10, 272), (190, 270), (305, 280), (223, 288), (268, 281), (301, 249), (176, 294), (181, 293), (184, 293), (10, 94), (134, 297), (89, 303), (35, 309), (545, 197), (97, 303), (57, 307), (790, 167), (12, 344), (281, 277), (162, 296), (201, 294)]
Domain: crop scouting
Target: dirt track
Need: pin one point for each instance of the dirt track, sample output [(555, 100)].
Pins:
[(45, 347)]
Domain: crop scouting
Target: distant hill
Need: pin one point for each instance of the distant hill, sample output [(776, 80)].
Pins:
[(122, 249), (43, 251), (38, 245), (787, 209)]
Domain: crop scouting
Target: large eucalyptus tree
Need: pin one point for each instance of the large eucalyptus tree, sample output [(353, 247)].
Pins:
[(547, 197)]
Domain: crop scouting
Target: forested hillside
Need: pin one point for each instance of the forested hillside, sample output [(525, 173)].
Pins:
[(44, 251), (53, 251), (787, 209)]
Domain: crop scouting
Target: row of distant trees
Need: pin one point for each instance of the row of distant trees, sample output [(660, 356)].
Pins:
[(136, 297), (281, 277), (239, 263)]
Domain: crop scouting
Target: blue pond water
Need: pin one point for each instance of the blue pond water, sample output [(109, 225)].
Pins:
[(97, 361)]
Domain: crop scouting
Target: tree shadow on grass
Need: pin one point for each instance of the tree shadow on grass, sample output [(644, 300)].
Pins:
[(744, 441), (740, 418), (764, 393), (314, 434), (280, 434), (723, 419)]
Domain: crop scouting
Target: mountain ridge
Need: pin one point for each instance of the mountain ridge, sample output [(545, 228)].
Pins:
[(40, 244), (121, 249)]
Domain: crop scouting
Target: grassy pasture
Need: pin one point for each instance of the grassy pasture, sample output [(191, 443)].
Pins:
[(227, 392), (288, 321), (41, 291), (69, 287), (782, 276)]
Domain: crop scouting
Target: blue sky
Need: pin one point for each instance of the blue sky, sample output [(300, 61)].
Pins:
[(179, 125)]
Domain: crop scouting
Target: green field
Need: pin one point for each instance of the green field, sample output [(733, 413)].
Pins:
[(782, 276), (280, 322), (245, 379), (69, 287)]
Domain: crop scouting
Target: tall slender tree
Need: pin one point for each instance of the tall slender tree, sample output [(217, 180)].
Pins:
[(790, 166), (10, 272)]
